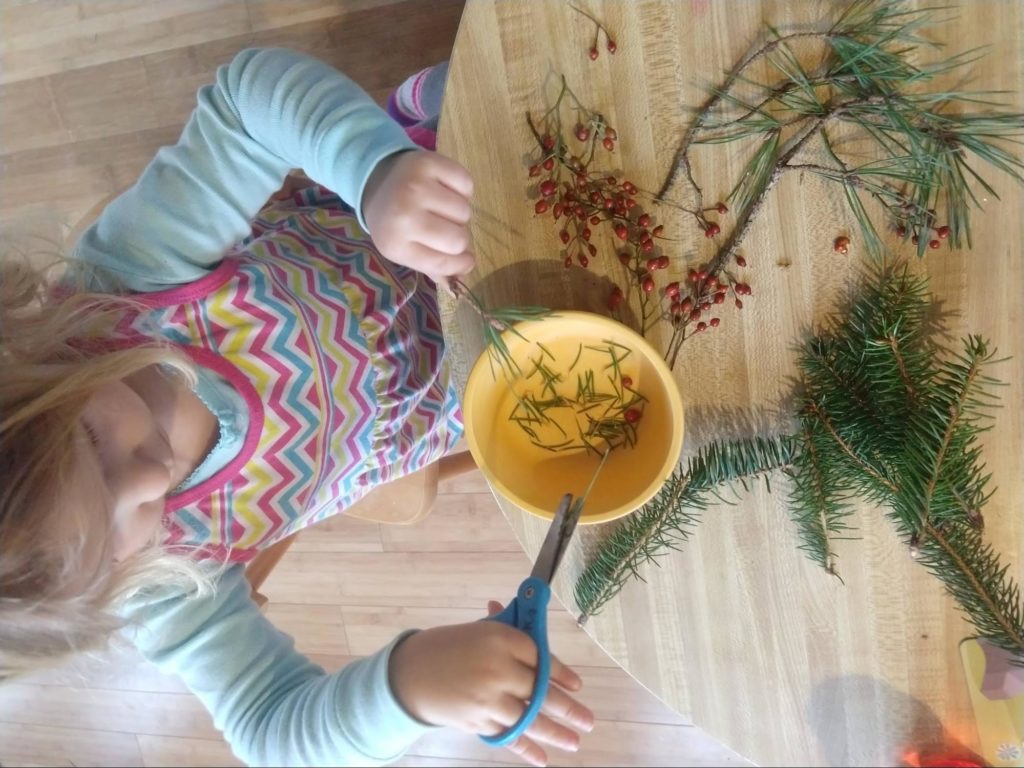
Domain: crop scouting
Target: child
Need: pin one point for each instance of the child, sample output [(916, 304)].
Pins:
[(191, 395)]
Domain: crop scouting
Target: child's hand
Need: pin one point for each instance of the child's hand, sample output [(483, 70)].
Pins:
[(416, 205), (476, 678)]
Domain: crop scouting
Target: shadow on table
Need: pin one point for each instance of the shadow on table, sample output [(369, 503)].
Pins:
[(546, 282), (860, 720)]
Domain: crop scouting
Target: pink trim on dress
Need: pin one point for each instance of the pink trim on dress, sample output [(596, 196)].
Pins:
[(184, 294)]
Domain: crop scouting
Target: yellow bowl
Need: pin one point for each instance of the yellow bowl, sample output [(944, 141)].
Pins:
[(534, 478)]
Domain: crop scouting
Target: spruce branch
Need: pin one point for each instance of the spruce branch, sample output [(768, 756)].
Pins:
[(668, 519), (887, 415)]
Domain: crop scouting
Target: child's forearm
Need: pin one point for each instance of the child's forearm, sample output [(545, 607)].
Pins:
[(269, 110), (274, 706)]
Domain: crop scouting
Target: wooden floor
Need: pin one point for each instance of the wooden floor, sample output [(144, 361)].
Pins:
[(88, 91), (344, 590)]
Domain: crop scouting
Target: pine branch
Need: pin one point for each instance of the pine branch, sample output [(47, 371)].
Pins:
[(668, 519), (928, 142)]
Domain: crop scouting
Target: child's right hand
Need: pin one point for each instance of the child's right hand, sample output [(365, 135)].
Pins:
[(476, 678), (417, 207)]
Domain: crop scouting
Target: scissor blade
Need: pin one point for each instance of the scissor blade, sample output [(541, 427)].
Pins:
[(555, 543)]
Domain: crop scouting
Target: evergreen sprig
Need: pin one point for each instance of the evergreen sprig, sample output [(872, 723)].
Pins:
[(495, 321), (888, 416), (862, 79), (667, 520)]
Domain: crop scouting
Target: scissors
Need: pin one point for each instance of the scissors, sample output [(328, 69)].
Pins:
[(528, 612)]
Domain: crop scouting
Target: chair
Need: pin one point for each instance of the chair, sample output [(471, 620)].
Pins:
[(405, 501)]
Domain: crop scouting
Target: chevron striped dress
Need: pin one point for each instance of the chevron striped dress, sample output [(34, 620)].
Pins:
[(338, 355)]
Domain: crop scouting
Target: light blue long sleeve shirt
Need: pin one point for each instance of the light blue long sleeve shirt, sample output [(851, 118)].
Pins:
[(268, 112)]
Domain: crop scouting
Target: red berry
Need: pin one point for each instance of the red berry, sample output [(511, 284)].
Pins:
[(611, 179), (739, 304), (609, 203), (740, 261), (715, 322), (644, 220), (581, 212), (712, 230), (608, 144), (721, 207), (672, 290), (535, 170), (702, 276), (609, 133), (630, 203), (901, 231), (582, 258), (702, 327), (621, 232), (686, 305), (595, 220), (693, 276), (585, 234), (548, 187), (568, 261), (616, 298), (629, 187), (742, 289), (612, 47), (933, 244), (548, 164), (662, 260), (564, 234), (627, 381), (694, 315), (582, 132), (647, 246), (841, 244), (942, 232), (541, 206), (705, 306), (648, 284), (652, 264), (720, 297), (548, 142), (632, 415), (592, 249), (625, 258), (593, 53), (658, 230)]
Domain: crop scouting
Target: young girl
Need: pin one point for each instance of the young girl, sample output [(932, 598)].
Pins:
[(213, 397)]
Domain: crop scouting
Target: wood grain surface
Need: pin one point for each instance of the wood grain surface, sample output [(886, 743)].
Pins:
[(739, 631)]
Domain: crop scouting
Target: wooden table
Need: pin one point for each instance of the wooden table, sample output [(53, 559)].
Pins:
[(739, 631)]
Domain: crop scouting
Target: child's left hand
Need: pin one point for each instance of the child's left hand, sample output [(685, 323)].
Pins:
[(416, 205)]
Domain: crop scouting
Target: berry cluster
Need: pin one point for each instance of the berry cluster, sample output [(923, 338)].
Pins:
[(941, 233), (692, 302), (599, 28), (585, 201)]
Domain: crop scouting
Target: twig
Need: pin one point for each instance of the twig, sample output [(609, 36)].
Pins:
[(681, 157)]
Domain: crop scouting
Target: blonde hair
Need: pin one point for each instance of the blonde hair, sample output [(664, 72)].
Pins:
[(52, 602)]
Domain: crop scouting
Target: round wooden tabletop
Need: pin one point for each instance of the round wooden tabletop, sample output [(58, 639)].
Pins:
[(739, 631)]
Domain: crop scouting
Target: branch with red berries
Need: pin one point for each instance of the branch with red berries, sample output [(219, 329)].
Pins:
[(574, 186)]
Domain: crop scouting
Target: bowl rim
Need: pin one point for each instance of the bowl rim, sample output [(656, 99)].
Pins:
[(675, 403)]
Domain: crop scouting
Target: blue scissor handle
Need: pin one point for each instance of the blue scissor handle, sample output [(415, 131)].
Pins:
[(528, 612)]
